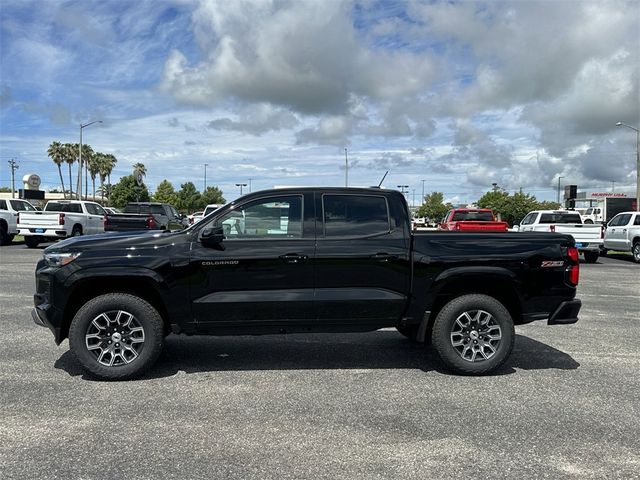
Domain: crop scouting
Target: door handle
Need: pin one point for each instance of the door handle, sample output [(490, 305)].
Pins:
[(293, 258), (383, 257)]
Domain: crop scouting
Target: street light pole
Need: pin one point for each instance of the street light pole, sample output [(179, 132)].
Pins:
[(346, 169), (422, 199), (205, 177), (559, 177), (620, 124), (241, 185), (79, 185)]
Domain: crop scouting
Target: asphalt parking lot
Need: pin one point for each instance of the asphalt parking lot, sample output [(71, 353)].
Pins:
[(367, 406)]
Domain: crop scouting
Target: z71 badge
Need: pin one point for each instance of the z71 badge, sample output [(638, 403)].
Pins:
[(551, 263)]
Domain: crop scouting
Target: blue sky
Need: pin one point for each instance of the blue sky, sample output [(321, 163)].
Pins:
[(459, 94)]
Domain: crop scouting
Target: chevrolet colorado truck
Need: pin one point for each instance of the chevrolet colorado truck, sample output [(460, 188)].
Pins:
[(302, 260), (472, 220)]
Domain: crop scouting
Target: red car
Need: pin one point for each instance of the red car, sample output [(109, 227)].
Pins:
[(472, 220)]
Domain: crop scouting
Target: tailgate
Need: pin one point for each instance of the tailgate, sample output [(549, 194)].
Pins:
[(479, 226), (39, 220), (123, 222), (582, 233)]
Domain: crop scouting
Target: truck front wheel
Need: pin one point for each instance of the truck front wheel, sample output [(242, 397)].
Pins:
[(473, 334), (116, 336)]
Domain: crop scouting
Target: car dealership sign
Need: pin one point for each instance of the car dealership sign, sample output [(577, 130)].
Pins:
[(608, 194)]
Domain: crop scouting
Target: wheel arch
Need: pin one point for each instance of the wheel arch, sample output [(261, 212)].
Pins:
[(141, 286), (495, 282)]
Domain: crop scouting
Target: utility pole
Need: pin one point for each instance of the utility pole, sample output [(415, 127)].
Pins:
[(14, 166), (422, 199), (205, 177), (249, 185), (559, 188), (346, 169), (413, 197)]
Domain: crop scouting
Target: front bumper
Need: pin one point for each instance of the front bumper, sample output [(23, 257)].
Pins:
[(40, 316), (566, 313)]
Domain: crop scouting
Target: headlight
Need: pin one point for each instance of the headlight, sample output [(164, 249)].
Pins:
[(60, 259)]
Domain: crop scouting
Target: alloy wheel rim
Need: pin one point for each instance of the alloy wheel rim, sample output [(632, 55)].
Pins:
[(476, 336), (115, 338), (636, 251)]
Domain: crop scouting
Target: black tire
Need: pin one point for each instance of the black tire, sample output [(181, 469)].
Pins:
[(5, 238), (591, 257), (76, 231), (635, 251), (446, 327), (31, 241), (588, 221), (410, 332), (117, 307)]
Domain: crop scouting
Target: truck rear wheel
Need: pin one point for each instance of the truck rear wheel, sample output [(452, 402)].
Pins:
[(31, 241), (116, 336), (635, 251), (473, 334), (591, 257)]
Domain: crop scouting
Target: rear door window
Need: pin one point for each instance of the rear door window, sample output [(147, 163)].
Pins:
[(20, 206), (354, 215)]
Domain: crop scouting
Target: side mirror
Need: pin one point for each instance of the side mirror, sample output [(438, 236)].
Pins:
[(212, 236)]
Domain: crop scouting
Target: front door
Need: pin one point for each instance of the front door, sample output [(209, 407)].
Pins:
[(617, 232), (262, 272), (362, 260)]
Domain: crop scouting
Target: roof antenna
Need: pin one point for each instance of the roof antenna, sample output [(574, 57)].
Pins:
[(385, 176)]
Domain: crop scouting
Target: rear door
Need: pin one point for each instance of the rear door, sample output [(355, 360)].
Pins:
[(262, 273), (362, 260), (95, 220)]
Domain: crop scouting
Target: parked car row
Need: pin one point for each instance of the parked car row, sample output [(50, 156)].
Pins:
[(68, 218)]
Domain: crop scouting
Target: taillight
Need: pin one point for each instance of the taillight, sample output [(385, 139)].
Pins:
[(105, 222), (61, 219), (602, 229), (151, 223), (457, 226), (552, 228), (573, 270), (18, 218)]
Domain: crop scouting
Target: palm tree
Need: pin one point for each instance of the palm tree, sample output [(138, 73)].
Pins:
[(87, 154), (70, 153), (110, 163), (55, 152), (139, 167), (93, 165)]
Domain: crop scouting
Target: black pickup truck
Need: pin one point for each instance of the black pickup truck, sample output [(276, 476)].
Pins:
[(303, 260), (144, 216)]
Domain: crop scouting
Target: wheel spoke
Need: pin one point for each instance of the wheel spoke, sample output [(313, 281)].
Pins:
[(128, 335), (486, 331)]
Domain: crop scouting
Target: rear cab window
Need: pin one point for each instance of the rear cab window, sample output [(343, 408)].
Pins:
[(560, 217), (472, 216), (63, 207)]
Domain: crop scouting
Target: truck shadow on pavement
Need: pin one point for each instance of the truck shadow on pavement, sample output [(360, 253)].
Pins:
[(373, 350)]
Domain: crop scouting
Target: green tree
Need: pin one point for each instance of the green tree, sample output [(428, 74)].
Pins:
[(56, 153), (212, 195), (189, 199), (433, 207), (111, 161), (513, 208), (126, 190), (165, 193)]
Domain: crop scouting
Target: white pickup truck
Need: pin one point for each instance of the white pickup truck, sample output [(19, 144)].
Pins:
[(623, 234), (9, 210), (588, 237), (61, 219)]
